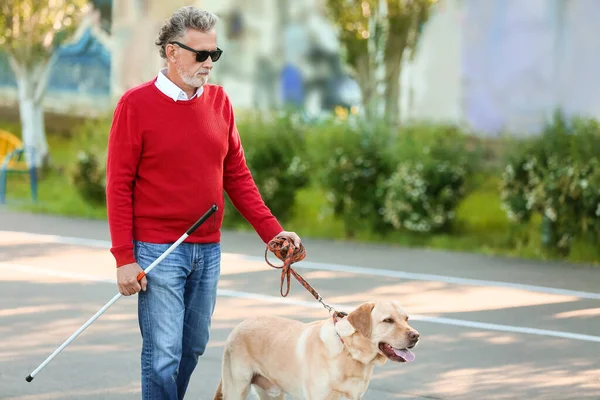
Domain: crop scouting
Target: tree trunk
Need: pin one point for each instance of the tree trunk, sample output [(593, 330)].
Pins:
[(31, 84), (394, 51), (32, 123), (365, 80)]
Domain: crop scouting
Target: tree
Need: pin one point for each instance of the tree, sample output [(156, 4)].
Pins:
[(31, 31), (375, 33), (360, 29), (405, 20)]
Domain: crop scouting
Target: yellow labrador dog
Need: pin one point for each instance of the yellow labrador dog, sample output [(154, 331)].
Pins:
[(330, 359)]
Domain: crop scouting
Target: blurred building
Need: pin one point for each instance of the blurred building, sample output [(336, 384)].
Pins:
[(505, 65), (493, 65)]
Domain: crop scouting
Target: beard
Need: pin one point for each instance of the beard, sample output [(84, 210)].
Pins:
[(194, 80)]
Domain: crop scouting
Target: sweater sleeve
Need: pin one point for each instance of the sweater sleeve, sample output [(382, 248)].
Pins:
[(124, 150), (241, 188)]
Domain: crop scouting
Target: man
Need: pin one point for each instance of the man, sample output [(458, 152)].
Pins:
[(173, 148)]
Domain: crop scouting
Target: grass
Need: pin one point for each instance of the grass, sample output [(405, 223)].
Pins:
[(481, 226)]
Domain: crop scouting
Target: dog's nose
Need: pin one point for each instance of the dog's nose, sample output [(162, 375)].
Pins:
[(413, 335)]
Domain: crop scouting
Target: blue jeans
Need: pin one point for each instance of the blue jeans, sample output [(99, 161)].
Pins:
[(174, 314)]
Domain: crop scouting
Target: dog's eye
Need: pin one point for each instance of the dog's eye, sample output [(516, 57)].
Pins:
[(388, 320)]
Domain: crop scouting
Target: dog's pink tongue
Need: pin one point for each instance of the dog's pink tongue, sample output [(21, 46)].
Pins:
[(408, 355)]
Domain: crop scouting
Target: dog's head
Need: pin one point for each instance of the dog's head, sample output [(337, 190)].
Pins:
[(384, 325)]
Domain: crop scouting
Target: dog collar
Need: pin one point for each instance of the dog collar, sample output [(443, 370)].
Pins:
[(335, 316)]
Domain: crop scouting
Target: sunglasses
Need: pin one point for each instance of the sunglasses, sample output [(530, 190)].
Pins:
[(202, 55)]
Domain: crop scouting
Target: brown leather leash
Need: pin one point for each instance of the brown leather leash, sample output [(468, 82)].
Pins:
[(284, 249)]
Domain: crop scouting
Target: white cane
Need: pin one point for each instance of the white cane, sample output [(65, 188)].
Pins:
[(211, 211)]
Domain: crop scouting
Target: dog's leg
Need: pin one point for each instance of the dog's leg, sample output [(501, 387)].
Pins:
[(219, 393), (236, 378), (272, 393), (330, 395), (236, 388)]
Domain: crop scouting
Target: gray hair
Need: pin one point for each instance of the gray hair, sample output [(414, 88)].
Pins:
[(188, 17)]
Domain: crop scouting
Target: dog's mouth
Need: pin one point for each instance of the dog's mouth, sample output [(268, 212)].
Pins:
[(398, 355)]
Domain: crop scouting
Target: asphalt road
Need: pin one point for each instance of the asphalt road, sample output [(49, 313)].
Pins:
[(491, 328)]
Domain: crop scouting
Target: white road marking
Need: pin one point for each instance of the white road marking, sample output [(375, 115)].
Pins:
[(352, 269), (280, 300)]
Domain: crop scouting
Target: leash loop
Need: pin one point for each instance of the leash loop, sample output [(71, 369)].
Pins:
[(284, 249)]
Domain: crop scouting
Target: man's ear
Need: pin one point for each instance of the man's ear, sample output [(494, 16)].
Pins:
[(361, 319)]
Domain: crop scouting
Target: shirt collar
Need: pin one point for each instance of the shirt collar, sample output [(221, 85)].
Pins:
[(166, 86)]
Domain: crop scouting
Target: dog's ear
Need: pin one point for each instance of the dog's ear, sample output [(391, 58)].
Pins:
[(361, 319)]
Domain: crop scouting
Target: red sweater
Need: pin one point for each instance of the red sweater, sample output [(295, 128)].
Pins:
[(168, 162)]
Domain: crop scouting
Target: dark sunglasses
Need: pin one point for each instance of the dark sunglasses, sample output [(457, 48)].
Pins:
[(202, 55)]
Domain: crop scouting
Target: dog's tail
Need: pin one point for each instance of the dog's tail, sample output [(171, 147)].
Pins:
[(219, 393)]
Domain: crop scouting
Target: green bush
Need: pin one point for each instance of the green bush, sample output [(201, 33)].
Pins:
[(274, 150), (434, 166), (572, 201), (89, 172), (349, 161), (557, 175)]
